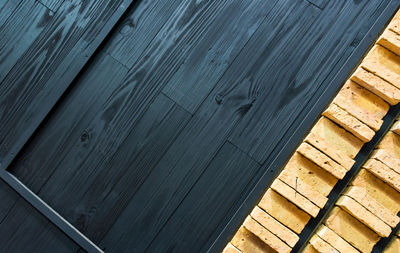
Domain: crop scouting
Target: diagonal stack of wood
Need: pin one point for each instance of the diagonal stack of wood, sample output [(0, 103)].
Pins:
[(368, 209)]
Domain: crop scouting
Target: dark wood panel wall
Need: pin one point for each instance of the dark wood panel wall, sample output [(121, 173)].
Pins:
[(43, 51), (163, 133), (23, 229)]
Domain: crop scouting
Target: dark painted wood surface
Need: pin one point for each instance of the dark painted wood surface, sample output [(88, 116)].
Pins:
[(164, 132), (281, 77), (42, 52), (229, 171), (23, 229)]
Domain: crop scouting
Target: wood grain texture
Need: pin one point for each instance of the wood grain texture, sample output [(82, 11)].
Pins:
[(163, 133), (173, 36), (70, 129), (135, 33), (6, 9), (176, 172), (123, 109), (23, 229), (207, 61), (87, 160), (194, 149), (104, 193), (288, 78), (188, 228), (29, 18), (131, 98), (45, 69)]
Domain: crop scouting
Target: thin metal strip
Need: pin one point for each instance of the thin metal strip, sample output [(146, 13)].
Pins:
[(272, 169)]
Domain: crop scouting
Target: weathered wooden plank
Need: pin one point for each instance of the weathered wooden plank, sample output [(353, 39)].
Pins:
[(27, 21), (287, 78), (23, 229), (195, 147), (206, 62), (135, 33), (146, 79), (187, 229), (47, 67)]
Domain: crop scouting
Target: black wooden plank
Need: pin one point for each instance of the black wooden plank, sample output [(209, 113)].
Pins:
[(69, 127), (132, 97), (92, 207), (206, 62), (94, 84), (49, 213), (207, 203), (106, 188), (285, 149), (6, 9), (92, 155), (8, 200), (287, 78), (190, 154), (158, 63), (142, 24), (45, 70), (23, 229), (105, 130), (24, 24), (100, 80)]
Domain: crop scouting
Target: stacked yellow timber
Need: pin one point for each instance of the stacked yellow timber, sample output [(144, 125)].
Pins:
[(324, 157), (368, 208)]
